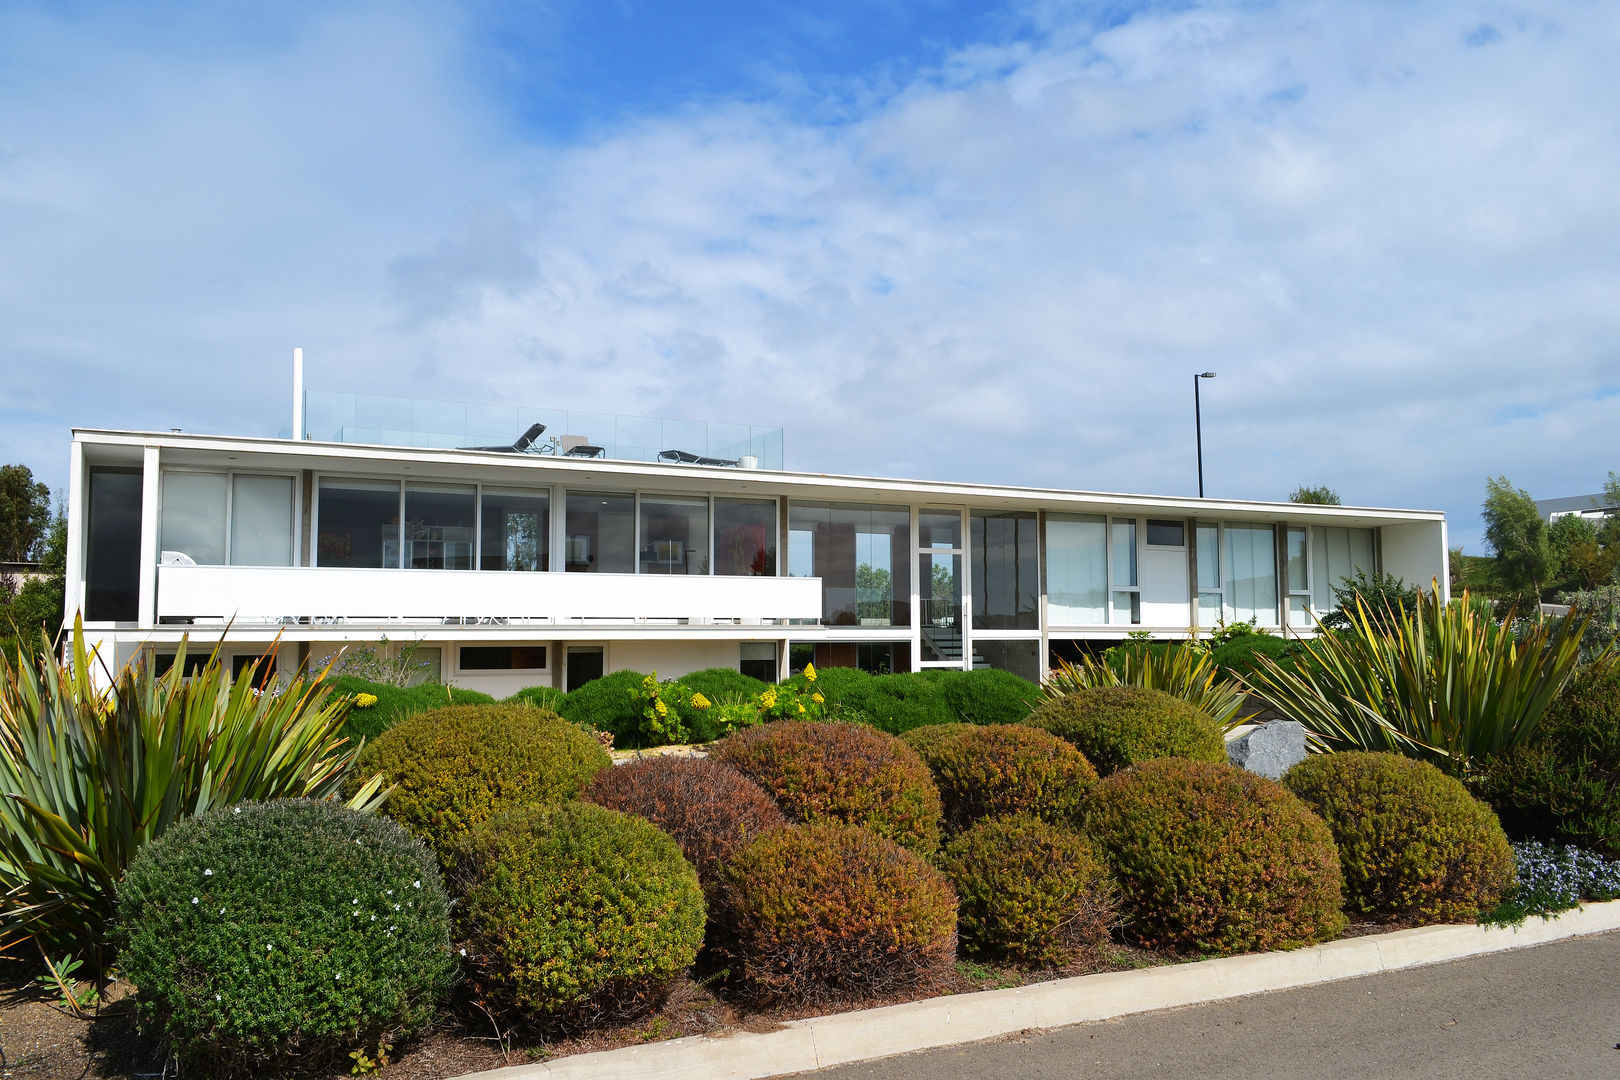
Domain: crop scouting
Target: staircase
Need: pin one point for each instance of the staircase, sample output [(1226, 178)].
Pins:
[(941, 643)]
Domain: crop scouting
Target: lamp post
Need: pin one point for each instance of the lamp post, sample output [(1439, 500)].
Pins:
[(1198, 427)]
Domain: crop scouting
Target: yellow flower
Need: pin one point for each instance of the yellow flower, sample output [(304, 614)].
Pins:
[(699, 701), (801, 706), (365, 701), (809, 673), (767, 700), (659, 707), (818, 699)]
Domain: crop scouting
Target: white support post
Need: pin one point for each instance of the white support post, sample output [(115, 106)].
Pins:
[(298, 396), (78, 514), (146, 614)]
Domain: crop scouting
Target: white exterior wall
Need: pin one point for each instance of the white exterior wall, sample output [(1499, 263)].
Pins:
[(1416, 552), (670, 659)]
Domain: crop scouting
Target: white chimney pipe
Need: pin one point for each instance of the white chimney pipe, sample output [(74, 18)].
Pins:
[(298, 395)]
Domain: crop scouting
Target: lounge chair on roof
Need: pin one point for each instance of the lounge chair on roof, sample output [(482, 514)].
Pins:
[(519, 446), (688, 458), (585, 450)]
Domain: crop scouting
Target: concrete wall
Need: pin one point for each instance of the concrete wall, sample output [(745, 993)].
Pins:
[(1417, 553)]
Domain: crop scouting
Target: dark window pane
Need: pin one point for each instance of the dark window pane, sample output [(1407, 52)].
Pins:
[(674, 535), (1006, 571), (1167, 533), (515, 531), (502, 657), (758, 659), (359, 523), (745, 538), (862, 556), (1022, 658), (584, 664), (601, 533), (439, 521), (113, 562)]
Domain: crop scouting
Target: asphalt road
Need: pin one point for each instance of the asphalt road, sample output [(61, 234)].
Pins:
[(1547, 1012)]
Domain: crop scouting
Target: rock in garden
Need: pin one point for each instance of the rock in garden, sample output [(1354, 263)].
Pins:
[(1270, 749)]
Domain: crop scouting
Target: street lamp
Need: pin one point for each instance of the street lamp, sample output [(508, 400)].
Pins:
[(1198, 426)]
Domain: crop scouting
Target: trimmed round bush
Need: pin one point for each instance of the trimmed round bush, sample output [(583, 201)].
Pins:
[(924, 739), (812, 912), (718, 683), (988, 695), (279, 936), (1565, 784), (1413, 842), (1213, 859), (548, 698), (574, 914), (1119, 726), (896, 703), (838, 683), (395, 703), (1008, 769), (1029, 891), (1237, 656), (840, 773), (609, 704), (710, 809), (454, 768)]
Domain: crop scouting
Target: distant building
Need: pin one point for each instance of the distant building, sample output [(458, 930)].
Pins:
[(1597, 506)]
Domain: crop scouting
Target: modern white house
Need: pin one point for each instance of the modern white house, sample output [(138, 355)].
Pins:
[(514, 568)]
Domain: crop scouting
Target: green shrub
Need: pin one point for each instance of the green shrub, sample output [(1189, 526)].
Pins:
[(840, 773), (720, 684), (839, 683), (610, 704), (924, 739), (987, 695), (1008, 769), (1413, 842), (1235, 658), (1214, 859), (575, 914), (90, 777), (1029, 891), (395, 703), (1565, 784), (710, 809), (1182, 671), (820, 911), (899, 702), (453, 768), (548, 698), (280, 935), (1119, 726)]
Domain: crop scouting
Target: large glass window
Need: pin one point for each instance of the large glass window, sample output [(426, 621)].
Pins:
[(1211, 596), (1337, 553), (861, 555), (113, 560), (1299, 583), (601, 533), (1006, 571), (515, 531), (1022, 658), (1127, 583), (939, 575), (358, 523), (1251, 574), (674, 535), (262, 514), (439, 524), (1076, 570), (745, 538), (192, 523), (758, 660)]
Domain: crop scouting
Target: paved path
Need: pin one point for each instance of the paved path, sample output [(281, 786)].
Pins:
[(1547, 1012)]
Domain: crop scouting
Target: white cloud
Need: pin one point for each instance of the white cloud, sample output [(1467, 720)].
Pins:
[(1389, 231)]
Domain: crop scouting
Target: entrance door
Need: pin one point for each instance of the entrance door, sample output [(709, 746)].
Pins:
[(584, 664)]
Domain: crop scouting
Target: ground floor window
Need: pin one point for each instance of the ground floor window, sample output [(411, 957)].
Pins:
[(503, 657), (872, 657), (1022, 658), (758, 660)]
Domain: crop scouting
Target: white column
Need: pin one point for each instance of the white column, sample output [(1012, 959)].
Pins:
[(146, 615), (78, 514), (298, 396)]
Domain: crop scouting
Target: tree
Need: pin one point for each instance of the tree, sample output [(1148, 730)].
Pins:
[(1564, 535), (1517, 534), (1321, 495), (37, 603), (25, 513), (874, 595)]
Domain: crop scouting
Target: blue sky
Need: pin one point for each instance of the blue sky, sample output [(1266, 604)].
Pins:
[(985, 242)]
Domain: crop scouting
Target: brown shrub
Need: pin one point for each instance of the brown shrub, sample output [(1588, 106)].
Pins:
[(987, 772)]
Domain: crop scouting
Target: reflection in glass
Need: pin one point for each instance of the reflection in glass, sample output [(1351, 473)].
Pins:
[(601, 533), (1022, 658), (358, 523), (1124, 551), (674, 535), (113, 559), (939, 529), (439, 524), (1006, 571), (1251, 574), (515, 531), (941, 605), (860, 554), (1076, 570), (1340, 553), (745, 538)]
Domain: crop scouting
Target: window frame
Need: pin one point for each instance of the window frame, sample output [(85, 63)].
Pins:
[(230, 475)]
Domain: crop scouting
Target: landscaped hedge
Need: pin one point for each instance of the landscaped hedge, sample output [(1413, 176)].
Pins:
[(1236, 656), (1565, 785), (719, 684), (709, 808), (454, 768), (840, 773), (811, 912), (574, 914), (279, 936), (608, 704), (541, 697), (1119, 726), (1029, 891), (1214, 859), (893, 703), (986, 695), (1413, 842), (395, 703), (1006, 769)]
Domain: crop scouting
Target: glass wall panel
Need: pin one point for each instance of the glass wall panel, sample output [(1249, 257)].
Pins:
[(939, 529), (262, 515), (1251, 574), (1022, 658), (872, 657), (1076, 570), (193, 519), (358, 523), (1124, 532), (1339, 553), (861, 555), (1297, 571), (674, 535), (112, 584), (439, 524), (1006, 571), (601, 530), (941, 605), (745, 538), (758, 660), (1210, 596), (515, 531)]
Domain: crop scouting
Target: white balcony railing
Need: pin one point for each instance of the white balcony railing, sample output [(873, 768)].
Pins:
[(286, 595)]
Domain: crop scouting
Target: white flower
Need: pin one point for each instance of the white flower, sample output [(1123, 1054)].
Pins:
[(208, 873), (193, 899), (339, 975), (417, 884), (463, 952), (222, 911), (267, 948), (396, 907), (236, 809), (216, 997), (356, 900), (374, 918), (390, 892)]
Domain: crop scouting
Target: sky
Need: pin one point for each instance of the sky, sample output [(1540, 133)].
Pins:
[(975, 242)]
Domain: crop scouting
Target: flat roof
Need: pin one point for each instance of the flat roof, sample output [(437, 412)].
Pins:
[(490, 467)]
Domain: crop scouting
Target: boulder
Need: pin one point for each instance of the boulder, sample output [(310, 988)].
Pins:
[(1269, 749)]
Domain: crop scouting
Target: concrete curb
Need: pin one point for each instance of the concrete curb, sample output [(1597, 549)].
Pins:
[(823, 1041)]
